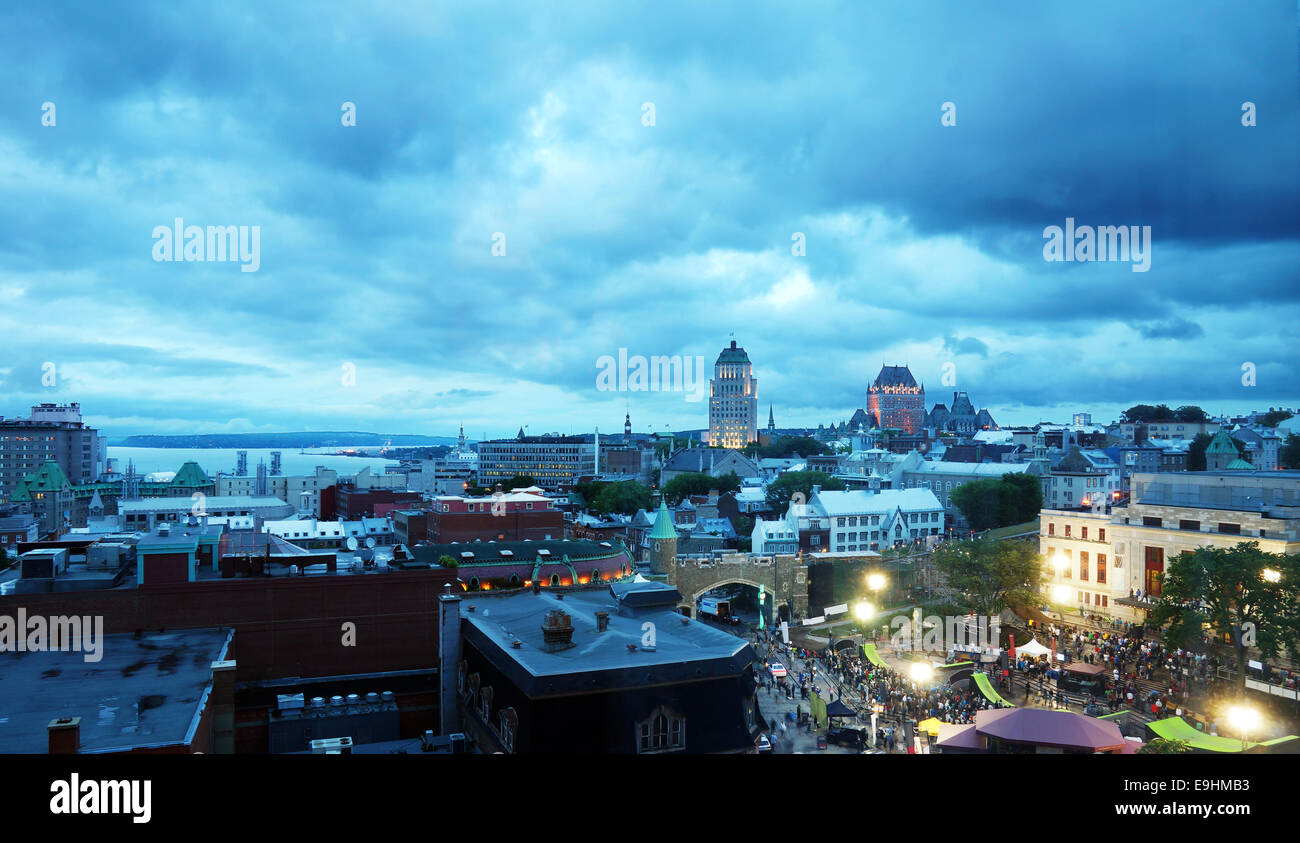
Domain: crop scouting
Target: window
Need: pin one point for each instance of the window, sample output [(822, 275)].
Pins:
[(1101, 534), (1083, 532), (1231, 529), (663, 730), (509, 726), (1101, 568), (485, 704), (1051, 529), (1067, 531), (1185, 524), (1083, 566), (1149, 521)]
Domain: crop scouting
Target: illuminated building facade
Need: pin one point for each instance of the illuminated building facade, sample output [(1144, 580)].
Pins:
[(896, 400), (733, 400)]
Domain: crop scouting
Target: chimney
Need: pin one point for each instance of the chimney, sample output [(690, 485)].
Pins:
[(223, 707), (449, 653), (65, 735), (602, 621), (557, 630)]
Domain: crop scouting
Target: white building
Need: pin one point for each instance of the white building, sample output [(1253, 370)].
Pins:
[(863, 520)]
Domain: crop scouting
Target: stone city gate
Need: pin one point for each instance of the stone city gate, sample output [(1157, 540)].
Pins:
[(781, 576)]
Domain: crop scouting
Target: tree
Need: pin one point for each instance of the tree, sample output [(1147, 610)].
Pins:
[(1139, 413), (1289, 453), (787, 446), (624, 498), (519, 481), (1229, 589), (1164, 746), (694, 483), (1190, 413), (1196, 452), (1029, 495), (985, 504), (993, 574), (447, 561), (789, 482), (1274, 417)]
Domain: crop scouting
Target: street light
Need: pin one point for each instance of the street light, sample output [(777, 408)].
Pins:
[(921, 672), (1244, 719), (862, 611), (875, 582)]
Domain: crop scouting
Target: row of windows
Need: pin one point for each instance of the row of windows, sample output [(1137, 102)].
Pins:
[(1084, 565), (1083, 531)]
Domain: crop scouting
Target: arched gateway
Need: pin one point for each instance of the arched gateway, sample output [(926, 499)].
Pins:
[(781, 577)]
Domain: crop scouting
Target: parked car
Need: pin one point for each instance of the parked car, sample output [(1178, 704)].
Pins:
[(778, 670), (764, 745)]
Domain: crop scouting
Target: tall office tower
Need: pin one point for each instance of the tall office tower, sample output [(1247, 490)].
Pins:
[(276, 465), (733, 400), (896, 400), (52, 432), (241, 463)]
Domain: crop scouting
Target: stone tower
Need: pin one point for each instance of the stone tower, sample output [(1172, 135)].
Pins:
[(663, 541)]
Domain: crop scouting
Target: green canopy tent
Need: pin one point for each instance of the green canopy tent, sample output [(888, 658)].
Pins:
[(1178, 729)]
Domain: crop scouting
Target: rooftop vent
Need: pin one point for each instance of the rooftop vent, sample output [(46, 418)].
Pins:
[(602, 621)]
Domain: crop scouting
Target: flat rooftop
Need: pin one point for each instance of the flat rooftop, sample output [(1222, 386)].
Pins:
[(684, 648), (146, 691)]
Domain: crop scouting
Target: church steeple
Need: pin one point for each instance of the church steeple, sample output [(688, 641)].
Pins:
[(771, 420), (627, 424)]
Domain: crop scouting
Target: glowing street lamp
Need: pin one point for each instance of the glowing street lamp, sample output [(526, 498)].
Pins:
[(1244, 719), (1061, 594), (875, 582), (921, 672), (862, 611)]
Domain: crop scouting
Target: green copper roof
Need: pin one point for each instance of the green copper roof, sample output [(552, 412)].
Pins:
[(191, 475), (734, 354), (664, 528), (1240, 465), (1221, 444), (48, 478)]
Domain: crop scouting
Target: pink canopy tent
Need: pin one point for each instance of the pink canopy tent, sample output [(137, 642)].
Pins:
[(1046, 727), (956, 738)]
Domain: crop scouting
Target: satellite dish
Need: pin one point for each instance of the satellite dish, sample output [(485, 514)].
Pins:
[(370, 542), (351, 543)]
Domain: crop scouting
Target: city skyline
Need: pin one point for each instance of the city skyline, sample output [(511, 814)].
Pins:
[(438, 246)]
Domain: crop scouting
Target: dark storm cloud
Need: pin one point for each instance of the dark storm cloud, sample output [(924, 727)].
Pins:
[(922, 241)]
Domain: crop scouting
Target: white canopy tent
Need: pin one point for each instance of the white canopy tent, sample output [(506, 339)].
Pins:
[(1032, 650)]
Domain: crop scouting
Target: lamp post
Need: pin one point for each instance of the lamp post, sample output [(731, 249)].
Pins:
[(1245, 719)]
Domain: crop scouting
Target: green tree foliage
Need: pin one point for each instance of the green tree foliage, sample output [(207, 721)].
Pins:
[(1014, 498), (787, 446), (694, 483), (1227, 588), (624, 498), (1289, 453), (1029, 495), (789, 482), (992, 574), (1274, 417), (447, 561), (519, 481), (1162, 413), (1164, 746)]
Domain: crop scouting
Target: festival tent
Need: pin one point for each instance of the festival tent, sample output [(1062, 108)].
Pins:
[(932, 725), (1043, 727), (1032, 650), (837, 708), (955, 738)]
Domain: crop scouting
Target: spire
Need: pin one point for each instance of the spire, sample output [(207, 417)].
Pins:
[(663, 528), (771, 420), (520, 434)]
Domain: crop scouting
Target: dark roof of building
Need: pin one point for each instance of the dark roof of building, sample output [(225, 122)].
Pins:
[(519, 551), (895, 376), (143, 692), (733, 354), (685, 649)]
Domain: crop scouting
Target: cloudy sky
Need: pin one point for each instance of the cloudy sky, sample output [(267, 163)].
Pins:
[(378, 302)]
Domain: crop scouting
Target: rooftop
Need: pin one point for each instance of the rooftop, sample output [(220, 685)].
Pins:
[(684, 648), (147, 691)]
